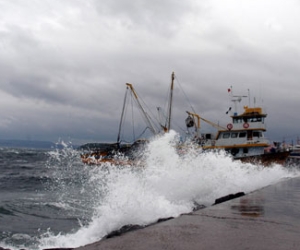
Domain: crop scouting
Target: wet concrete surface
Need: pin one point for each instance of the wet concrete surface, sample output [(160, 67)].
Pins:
[(265, 219)]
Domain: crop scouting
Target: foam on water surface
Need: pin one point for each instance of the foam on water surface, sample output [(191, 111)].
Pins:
[(167, 185)]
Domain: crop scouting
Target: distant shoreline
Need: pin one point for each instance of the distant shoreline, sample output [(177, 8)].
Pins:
[(9, 143), (30, 144)]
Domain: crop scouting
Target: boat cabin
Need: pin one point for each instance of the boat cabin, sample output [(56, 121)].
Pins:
[(246, 128), (244, 136), (252, 118)]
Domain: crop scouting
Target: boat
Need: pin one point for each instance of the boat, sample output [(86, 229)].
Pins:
[(120, 153), (130, 153), (127, 155), (243, 138), (294, 157)]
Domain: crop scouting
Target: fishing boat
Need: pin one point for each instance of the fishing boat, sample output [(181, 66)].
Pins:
[(126, 155), (119, 153), (243, 138), (130, 153)]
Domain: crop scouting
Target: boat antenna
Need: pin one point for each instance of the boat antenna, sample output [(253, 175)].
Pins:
[(235, 99), (249, 98)]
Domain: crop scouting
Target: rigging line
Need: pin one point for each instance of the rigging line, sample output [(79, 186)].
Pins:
[(153, 118), (129, 102), (132, 118), (187, 99), (144, 131), (164, 115), (147, 112), (151, 115), (180, 127), (122, 116)]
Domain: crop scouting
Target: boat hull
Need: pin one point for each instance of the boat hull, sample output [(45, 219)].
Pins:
[(267, 159)]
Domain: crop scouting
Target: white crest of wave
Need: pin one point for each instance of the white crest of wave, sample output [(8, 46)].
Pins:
[(167, 185)]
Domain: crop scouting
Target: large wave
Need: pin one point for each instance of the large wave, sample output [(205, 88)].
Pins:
[(167, 184)]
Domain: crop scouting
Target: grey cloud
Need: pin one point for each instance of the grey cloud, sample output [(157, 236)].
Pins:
[(161, 17), (66, 65)]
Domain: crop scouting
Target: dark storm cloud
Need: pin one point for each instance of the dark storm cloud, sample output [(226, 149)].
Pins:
[(64, 64), (161, 17)]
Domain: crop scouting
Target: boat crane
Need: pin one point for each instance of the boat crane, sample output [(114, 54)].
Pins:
[(146, 116), (197, 126)]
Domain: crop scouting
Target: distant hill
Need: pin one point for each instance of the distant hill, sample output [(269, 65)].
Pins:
[(29, 144), (98, 146)]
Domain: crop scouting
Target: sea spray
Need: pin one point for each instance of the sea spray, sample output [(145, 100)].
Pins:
[(70, 182), (166, 184)]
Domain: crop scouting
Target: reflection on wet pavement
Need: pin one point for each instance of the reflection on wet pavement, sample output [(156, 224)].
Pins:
[(252, 206)]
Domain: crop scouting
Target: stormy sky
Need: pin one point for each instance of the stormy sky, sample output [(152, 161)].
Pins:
[(64, 63)]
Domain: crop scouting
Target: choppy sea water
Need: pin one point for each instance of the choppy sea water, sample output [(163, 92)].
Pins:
[(49, 198)]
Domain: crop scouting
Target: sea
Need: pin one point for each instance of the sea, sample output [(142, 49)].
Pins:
[(50, 199)]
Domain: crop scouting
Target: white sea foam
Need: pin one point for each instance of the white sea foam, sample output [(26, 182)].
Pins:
[(166, 186)]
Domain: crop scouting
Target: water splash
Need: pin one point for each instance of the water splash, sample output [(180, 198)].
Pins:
[(167, 185)]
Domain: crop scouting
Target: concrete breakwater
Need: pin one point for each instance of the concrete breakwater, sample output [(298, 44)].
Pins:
[(268, 218)]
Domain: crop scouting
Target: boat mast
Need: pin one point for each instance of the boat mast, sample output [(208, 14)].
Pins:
[(170, 102)]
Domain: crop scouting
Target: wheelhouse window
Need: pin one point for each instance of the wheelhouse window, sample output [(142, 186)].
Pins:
[(257, 134), (248, 119), (234, 135), (242, 135), (237, 120), (226, 135), (257, 119)]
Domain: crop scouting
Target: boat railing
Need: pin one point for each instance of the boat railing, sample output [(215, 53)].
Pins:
[(249, 125), (248, 141), (257, 140)]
